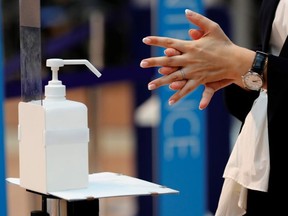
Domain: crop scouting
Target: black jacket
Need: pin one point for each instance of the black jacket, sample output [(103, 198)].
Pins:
[(239, 103)]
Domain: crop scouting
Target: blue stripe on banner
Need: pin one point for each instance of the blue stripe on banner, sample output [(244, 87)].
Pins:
[(181, 149), (3, 207)]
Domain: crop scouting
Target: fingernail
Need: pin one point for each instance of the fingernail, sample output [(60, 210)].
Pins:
[(143, 64), (151, 86), (171, 102), (201, 107), (146, 40), (189, 12)]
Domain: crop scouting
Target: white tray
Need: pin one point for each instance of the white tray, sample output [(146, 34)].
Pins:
[(108, 184)]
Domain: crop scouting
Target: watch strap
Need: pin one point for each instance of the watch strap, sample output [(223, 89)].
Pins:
[(259, 62)]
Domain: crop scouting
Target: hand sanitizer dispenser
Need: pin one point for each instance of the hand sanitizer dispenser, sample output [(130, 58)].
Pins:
[(53, 138)]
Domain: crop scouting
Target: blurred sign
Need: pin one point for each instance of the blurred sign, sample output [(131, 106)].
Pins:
[(3, 210), (181, 143)]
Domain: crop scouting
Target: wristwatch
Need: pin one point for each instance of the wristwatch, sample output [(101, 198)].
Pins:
[(253, 79)]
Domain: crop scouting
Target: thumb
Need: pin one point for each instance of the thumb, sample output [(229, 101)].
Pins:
[(206, 97), (210, 89), (200, 21)]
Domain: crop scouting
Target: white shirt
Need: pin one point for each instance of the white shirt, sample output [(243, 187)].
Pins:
[(279, 28)]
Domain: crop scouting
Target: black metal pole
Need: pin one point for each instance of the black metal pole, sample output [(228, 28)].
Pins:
[(44, 204), (88, 207), (30, 50)]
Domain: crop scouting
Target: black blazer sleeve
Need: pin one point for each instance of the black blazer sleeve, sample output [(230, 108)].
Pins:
[(277, 85), (239, 101)]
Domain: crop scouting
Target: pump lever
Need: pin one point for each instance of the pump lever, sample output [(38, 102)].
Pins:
[(56, 62)]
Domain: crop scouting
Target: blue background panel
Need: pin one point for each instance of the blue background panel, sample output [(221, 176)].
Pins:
[(181, 135)]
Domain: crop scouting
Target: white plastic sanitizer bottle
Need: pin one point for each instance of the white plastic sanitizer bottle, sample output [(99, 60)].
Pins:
[(54, 137)]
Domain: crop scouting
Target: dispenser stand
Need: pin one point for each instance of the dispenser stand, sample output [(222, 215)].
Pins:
[(43, 211), (101, 185), (74, 208)]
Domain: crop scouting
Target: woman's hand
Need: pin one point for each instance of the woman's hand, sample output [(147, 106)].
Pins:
[(211, 59), (210, 88)]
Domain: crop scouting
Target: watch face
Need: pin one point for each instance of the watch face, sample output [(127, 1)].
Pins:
[(253, 81)]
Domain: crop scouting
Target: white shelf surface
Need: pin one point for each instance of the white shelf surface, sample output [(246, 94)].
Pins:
[(109, 184)]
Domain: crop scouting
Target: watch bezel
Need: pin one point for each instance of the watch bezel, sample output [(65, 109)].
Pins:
[(254, 74)]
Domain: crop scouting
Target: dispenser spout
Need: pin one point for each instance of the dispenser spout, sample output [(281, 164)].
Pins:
[(55, 62)]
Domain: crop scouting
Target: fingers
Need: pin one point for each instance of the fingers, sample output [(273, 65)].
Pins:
[(195, 34), (165, 80), (185, 87), (189, 87), (166, 42), (173, 46), (171, 52), (163, 61), (168, 70), (177, 85)]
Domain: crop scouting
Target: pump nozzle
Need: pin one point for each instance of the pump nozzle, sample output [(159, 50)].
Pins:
[(55, 89), (54, 62)]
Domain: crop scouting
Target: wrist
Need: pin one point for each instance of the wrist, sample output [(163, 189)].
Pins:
[(243, 60)]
